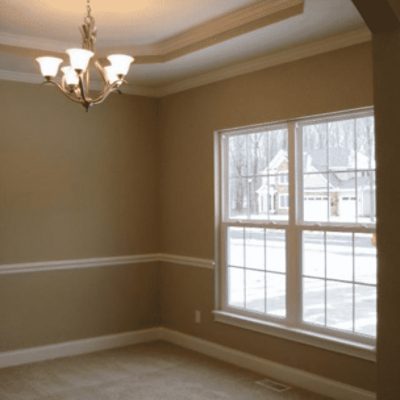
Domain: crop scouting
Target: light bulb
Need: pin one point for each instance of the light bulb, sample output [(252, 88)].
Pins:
[(49, 66), (70, 76), (79, 59), (120, 63), (111, 75)]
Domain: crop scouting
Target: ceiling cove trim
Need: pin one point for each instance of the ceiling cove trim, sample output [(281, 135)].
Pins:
[(27, 77), (281, 57), (243, 20), (270, 60)]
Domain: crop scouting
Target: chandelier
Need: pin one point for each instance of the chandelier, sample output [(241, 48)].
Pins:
[(75, 81)]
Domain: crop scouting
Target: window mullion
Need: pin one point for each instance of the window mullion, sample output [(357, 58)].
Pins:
[(293, 285)]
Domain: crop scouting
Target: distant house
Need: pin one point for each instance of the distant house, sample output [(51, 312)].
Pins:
[(342, 194)]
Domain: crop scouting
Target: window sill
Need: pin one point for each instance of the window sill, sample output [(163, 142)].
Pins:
[(326, 342)]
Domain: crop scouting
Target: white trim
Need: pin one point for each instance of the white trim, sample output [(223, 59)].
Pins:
[(42, 266), (15, 76), (39, 43), (289, 375), (183, 260), (270, 60), (347, 347), (76, 347), (234, 23), (27, 77)]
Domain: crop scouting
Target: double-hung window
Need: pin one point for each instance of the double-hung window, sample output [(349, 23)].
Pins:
[(296, 230)]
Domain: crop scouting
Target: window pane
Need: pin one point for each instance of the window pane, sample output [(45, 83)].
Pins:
[(338, 157), (255, 248), (315, 198), (236, 287), (342, 207), (365, 310), (276, 250), (238, 198), (341, 145), (366, 197), (339, 255), (276, 294), (314, 254), (261, 201), (315, 155), (314, 301), (279, 195), (237, 158), (236, 247), (365, 131), (365, 258), (255, 290), (339, 307), (252, 159)]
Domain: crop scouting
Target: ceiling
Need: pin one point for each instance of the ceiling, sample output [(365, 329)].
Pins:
[(178, 43)]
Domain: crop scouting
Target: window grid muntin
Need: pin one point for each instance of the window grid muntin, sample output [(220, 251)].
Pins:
[(266, 271), (299, 225), (326, 279)]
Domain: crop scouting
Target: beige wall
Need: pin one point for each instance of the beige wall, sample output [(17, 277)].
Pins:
[(135, 176), (75, 185), (335, 81), (41, 308)]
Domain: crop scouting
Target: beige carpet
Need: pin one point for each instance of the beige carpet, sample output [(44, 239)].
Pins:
[(155, 371)]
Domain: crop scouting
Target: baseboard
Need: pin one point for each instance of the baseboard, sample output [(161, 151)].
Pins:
[(76, 347), (280, 372)]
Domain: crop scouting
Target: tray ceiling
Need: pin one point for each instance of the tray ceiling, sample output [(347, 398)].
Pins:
[(175, 40)]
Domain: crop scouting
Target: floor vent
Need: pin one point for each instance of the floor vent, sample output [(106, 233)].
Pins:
[(272, 385)]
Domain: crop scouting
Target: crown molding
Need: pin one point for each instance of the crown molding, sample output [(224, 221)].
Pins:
[(281, 57), (37, 43), (214, 31), (222, 28), (27, 77)]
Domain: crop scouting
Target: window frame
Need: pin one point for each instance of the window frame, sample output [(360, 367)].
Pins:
[(292, 327)]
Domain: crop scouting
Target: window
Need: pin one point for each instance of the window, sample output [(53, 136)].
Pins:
[(297, 247), (284, 200)]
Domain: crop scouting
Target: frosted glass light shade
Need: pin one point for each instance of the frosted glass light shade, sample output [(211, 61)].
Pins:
[(120, 63), (111, 75), (70, 76), (79, 58), (49, 66)]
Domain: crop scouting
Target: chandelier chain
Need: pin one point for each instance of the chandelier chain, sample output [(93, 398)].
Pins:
[(88, 8)]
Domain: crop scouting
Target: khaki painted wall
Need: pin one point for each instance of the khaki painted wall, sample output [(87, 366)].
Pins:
[(75, 185), (42, 308), (330, 82)]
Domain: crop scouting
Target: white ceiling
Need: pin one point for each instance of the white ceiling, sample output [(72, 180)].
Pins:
[(121, 22), (140, 22)]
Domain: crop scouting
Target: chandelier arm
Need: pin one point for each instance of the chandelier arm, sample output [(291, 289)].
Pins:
[(65, 92), (85, 101), (105, 93), (101, 72), (78, 90)]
